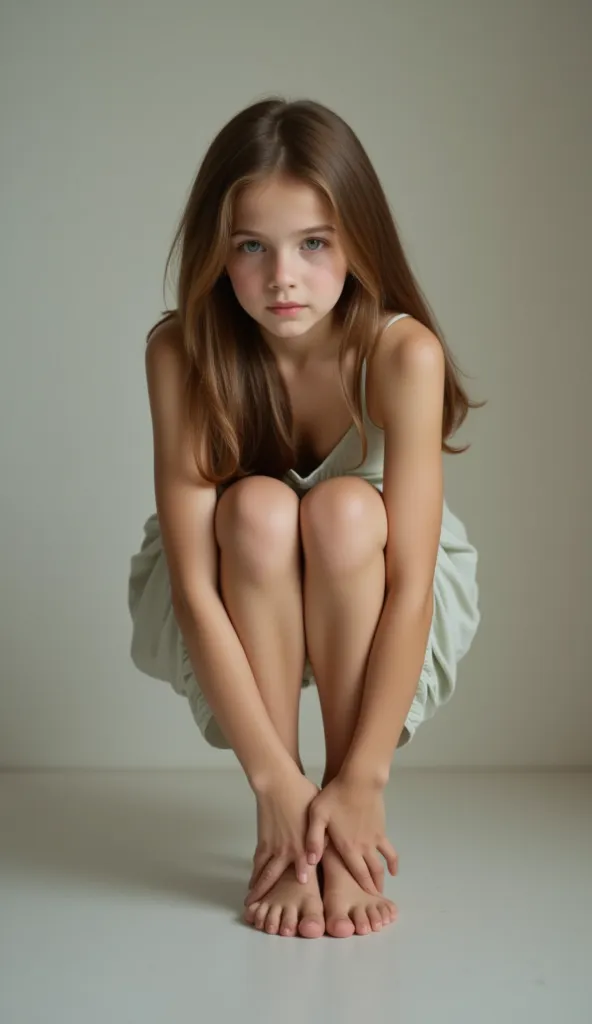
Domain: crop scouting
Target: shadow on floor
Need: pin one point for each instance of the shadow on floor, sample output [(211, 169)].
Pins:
[(104, 830)]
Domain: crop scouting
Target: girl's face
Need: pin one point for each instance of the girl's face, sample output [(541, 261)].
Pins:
[(284, 248)]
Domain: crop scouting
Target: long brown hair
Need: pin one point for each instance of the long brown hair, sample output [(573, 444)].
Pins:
[(237, 401)]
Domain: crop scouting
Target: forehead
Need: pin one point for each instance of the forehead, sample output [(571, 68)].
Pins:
[(280, 205)]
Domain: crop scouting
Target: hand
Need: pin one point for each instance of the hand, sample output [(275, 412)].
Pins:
[(353, 816), (282, 821)]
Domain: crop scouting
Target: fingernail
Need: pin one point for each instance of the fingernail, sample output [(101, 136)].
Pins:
[(312, 858), (303, 876)]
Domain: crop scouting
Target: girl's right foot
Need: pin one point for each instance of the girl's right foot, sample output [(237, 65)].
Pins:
[(290, 908)]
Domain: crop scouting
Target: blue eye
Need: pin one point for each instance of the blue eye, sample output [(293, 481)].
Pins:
[(251, 241), (321, 240), (321, 243)]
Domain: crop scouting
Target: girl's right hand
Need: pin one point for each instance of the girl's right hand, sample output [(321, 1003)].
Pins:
[(282, 824)]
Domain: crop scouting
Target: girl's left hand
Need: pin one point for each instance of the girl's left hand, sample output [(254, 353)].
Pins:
[(353, 815)]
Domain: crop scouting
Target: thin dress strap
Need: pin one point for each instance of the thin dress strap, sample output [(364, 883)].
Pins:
[(393, 319)]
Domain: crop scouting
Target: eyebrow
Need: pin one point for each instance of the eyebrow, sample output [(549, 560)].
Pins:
[(305, 231)]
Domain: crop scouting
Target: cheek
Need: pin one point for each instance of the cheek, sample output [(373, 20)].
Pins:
[(244, 278), (330, 275)]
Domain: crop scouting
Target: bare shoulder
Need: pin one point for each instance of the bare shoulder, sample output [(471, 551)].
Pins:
[(166, 373), (164, 344), (406, 339), (405, 350), (167, 366)]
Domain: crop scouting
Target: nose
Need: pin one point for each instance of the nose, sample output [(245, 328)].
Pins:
[(281, 272)]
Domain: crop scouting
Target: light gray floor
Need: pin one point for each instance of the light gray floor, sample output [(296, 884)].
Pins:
[(121, 895)]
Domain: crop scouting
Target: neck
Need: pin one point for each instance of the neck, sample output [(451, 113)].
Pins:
[(320, 344)]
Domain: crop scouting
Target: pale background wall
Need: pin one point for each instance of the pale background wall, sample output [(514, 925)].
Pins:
[(476, 117)]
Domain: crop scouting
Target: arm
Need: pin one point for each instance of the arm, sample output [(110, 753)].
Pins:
[(186, 506), (410, 398)]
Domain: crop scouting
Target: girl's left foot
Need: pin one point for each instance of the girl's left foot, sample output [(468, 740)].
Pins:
[(349, 910)]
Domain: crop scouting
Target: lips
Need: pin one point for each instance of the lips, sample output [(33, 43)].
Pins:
[(287, 305)]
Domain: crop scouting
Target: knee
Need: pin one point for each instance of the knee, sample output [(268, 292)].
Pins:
[(343, 523), (256, 525)]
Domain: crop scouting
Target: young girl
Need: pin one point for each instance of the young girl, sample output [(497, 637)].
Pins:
[(301, 397)]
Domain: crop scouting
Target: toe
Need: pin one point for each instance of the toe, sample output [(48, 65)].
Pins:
[(340, 926), (273, 919), (249, 913), (312, 924), (289, 921), (375, 918), (260, 915), (388, 911), (361, 921)]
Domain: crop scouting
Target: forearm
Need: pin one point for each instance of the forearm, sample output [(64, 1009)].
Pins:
[(394, 667), (228, 685)]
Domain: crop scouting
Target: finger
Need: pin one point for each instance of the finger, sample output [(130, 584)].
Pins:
[(376, 870), (315, 840), (390, 855), (262, 861), (271, 873), (359, 870), (254, 881), (259, 861), (302, 868), (325, 845)]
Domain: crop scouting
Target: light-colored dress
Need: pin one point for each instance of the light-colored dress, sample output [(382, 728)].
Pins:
[(158, 648)]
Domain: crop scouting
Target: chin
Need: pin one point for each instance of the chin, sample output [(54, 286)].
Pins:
[(287, 330)]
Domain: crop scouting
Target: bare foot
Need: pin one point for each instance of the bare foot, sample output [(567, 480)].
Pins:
[(290, 908), (349, 909)]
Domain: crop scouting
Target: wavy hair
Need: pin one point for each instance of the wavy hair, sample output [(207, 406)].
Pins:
[(238, 404)]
